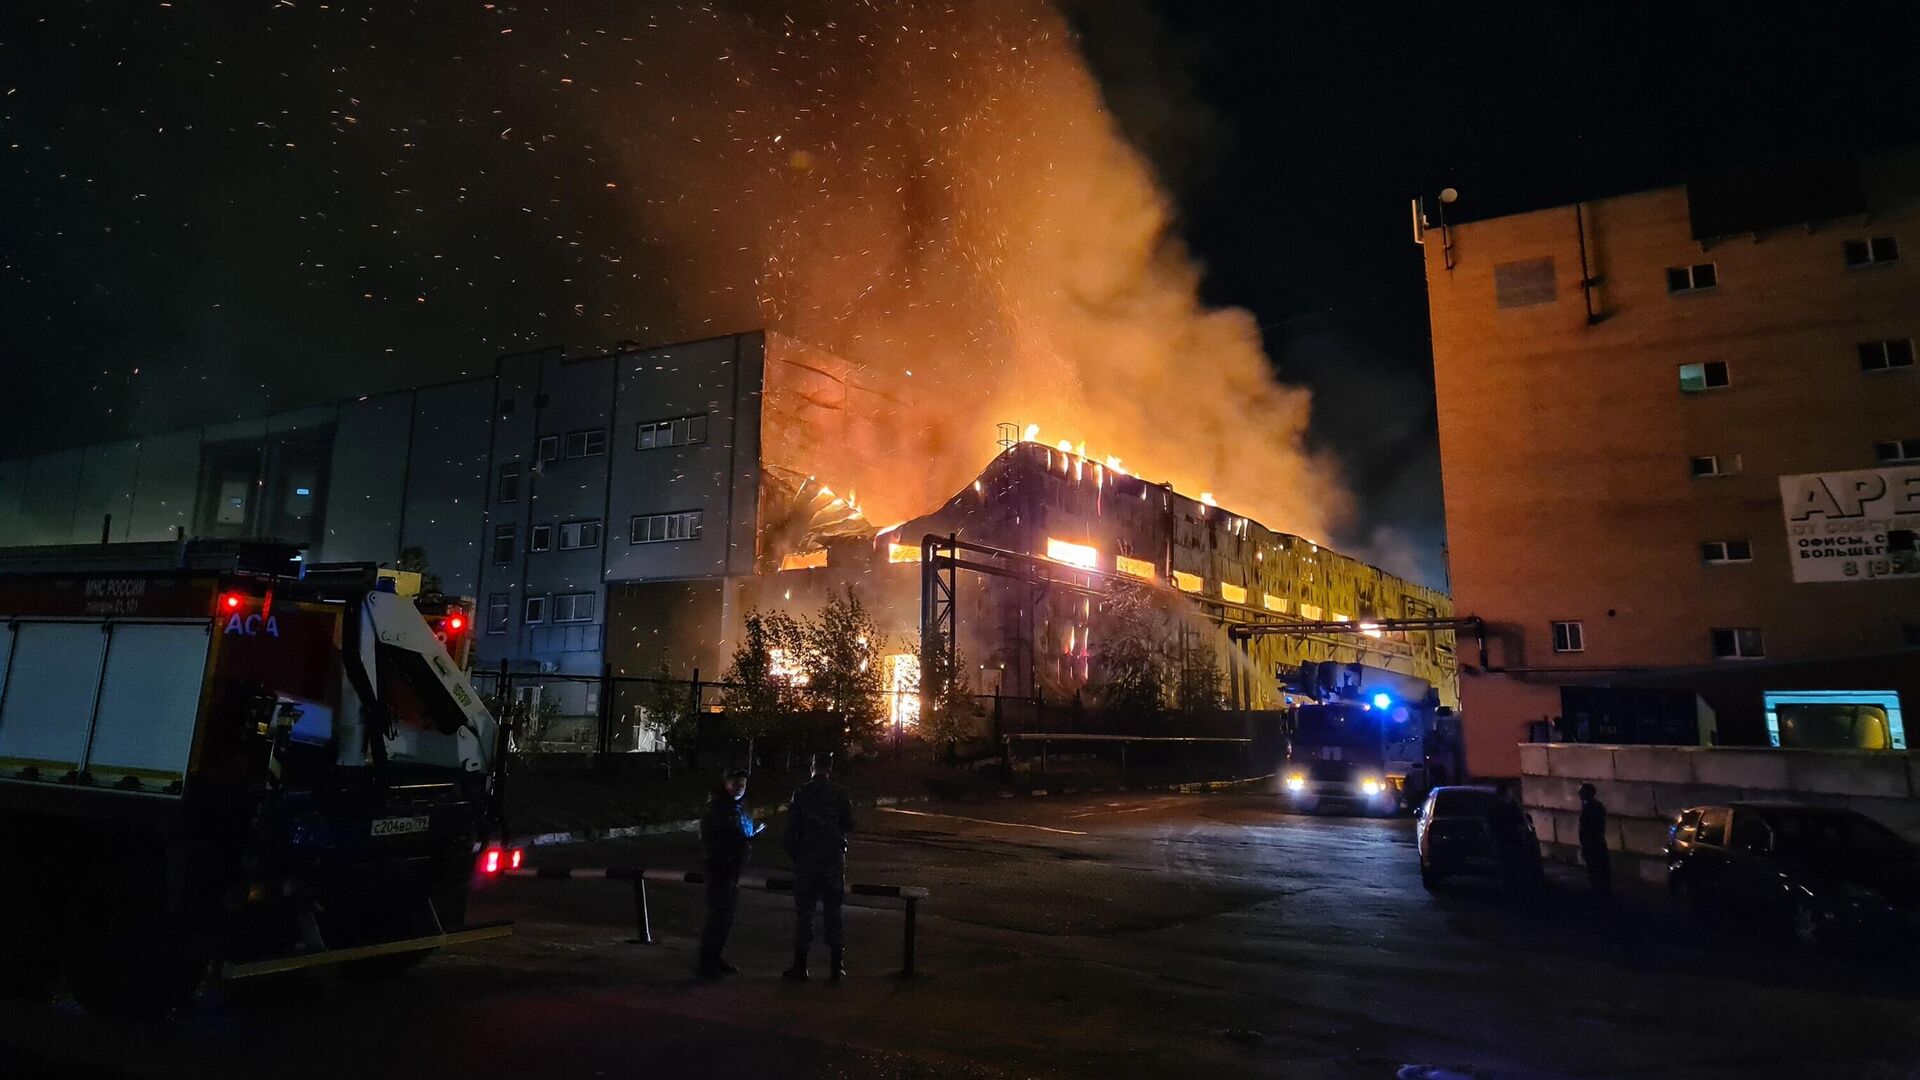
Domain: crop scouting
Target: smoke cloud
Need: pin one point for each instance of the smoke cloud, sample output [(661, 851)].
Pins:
[(937, 194)]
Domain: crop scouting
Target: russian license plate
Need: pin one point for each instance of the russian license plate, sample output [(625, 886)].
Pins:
[(399, 826)]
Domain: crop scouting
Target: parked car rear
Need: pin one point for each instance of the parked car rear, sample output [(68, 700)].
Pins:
[(1813, 875), (1451, 835)]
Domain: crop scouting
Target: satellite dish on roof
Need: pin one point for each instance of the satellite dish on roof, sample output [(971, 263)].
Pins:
[(1449, 195)]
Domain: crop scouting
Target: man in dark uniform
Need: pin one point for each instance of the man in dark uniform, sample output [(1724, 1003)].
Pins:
[(1507, 829), (726, 832), (1593, 842), (817, 826)]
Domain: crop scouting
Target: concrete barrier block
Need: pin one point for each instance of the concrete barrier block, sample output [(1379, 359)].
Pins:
[(1551, 792), (1651, 871), (1758, 770), (1585, 762), (1533, 759), (1670, 799), (1878, 775), (1556, 826), (1659, 764), (1631, 800), (1644, 836)]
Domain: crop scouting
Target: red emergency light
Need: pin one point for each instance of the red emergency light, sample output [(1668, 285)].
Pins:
[(455, 623), (230, 602), (495, 859)]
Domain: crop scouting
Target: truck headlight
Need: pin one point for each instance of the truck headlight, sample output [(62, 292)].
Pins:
[(1370, 786), (1296, 782)]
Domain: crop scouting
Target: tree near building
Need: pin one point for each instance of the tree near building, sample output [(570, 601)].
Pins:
[(950, 714), (668, 709), (1198, 682), (760, 693), (840, 652), (1131, 668)]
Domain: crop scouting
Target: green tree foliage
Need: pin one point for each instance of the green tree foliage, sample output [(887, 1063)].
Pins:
[(668, 709), (950, 714), (839, 650), (1198, 683), (760, 696), (1132, 676)]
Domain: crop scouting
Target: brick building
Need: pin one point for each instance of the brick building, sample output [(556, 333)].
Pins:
[(1625, 388)]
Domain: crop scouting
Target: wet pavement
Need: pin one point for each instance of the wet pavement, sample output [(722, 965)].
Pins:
[(1142, 935)]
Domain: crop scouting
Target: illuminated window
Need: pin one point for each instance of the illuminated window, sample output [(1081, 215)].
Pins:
[(1274, 603), (1186, 582), (907, 553), (1310, 612), (1232, 594), (900, 674), (1080, 555), (1139, 568), (1710, 375)]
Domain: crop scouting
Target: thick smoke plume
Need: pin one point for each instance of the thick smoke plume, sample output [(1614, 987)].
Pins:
[(936, 193)]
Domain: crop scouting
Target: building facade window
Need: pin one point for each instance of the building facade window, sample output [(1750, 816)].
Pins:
[(573, 607), (1880, 249), (540, 538), (503, 536), (657, 528), (1705, 465), (509, 487), (1886, 355), (1726, 551), (675, 431), (1710, 375), (1692, 278), (1897, 451), (535, 612), (1739, 643), (1569, 636), (575, 535), (1523, 284), (548, 448), (497, 613), (589, 443)]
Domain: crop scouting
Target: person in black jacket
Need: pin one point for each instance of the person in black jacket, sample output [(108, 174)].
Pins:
[(1593, 842), (726, 832), (817, 826)]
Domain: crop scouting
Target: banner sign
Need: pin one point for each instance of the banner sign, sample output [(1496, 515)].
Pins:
[(1853, 526)]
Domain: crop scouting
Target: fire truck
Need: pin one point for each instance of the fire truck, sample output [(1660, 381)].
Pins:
[(218, 760), (1367, 740)]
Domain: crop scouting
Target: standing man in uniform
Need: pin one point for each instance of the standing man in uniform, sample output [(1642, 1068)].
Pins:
[(1593, 842), (817, 826), (726, 832)]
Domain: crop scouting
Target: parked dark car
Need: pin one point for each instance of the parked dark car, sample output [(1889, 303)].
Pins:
[(1450, 831), (1813, 875)]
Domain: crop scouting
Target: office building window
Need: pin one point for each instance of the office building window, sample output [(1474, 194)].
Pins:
[(579, 534), (1706, 465), (1692, 278), (1710, 375), (1569, 637), (497, 613), (676, 431), (573, 607), (503, 544), (589, 443), (1523, 284), (536, 610), (1726, 551), (656, 528), (1886, 355), (1897, 451), (548, 448), (1739, 643), (509, 489), (1880, 249), (540, 538)]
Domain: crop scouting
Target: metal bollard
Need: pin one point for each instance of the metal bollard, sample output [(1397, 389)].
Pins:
[(906, 967), (643, 920)]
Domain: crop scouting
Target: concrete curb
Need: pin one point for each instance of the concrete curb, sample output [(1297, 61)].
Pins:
[(661, 828)]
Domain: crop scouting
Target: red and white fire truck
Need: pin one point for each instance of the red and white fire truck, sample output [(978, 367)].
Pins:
[(216, 759)]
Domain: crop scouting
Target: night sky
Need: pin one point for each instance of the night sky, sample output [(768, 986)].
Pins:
[(214, 210)]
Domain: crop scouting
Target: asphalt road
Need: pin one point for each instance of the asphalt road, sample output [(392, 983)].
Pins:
[(1102, 936)]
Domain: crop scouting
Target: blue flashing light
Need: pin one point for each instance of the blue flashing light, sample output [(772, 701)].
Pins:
[(1383, 700)]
